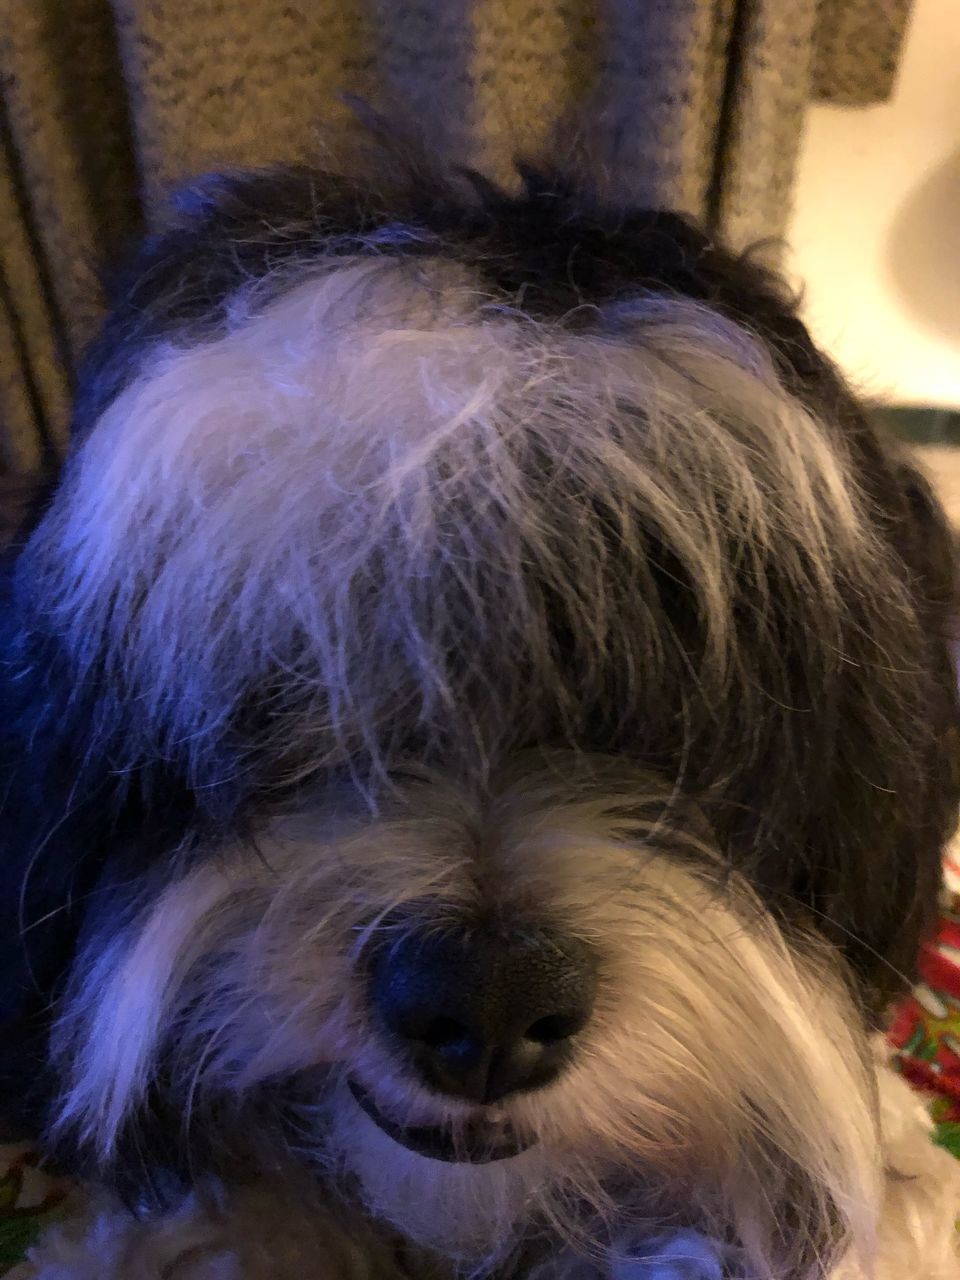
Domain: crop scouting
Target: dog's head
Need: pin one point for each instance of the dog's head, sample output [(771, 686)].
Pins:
[(508, 697)]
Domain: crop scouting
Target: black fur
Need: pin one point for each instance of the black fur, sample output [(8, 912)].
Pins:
[(854, 842)]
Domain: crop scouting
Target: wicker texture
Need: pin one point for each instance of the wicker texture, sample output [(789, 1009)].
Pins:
[(105, 104)]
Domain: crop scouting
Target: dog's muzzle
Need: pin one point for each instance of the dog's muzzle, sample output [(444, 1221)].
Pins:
[(477, 1142)]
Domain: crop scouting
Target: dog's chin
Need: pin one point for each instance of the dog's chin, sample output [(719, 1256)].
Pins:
[(478, 1141), (458, 1182)]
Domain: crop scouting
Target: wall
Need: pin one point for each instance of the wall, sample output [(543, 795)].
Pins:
[(875, 234)]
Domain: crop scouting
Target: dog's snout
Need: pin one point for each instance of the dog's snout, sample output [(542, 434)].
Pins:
[(488, 1013)]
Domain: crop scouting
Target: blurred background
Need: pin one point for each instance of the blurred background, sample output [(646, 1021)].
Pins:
[(826, 130), (874, 238)]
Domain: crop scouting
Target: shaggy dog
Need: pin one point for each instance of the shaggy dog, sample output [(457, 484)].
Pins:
[(478, 738)]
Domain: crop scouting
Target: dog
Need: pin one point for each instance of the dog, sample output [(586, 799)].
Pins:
[(479, 737)]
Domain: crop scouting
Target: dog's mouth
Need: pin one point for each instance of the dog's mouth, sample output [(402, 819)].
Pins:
[(477, 1142)]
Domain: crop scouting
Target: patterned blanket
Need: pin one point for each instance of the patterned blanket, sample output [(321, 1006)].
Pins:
[(30, 1197), (925, 1031)]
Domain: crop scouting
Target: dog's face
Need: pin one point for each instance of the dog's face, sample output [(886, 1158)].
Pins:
[(546, 671)]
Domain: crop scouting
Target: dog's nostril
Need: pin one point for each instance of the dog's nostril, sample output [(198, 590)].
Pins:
[(555, 1028), (441, 1032), (487, 1014)]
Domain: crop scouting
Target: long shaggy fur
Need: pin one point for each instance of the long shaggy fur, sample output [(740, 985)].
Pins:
[(250, 971), (351, 485), (270, 1232), (429, 559)]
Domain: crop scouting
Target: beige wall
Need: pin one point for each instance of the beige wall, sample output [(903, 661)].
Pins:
[(875, 233)]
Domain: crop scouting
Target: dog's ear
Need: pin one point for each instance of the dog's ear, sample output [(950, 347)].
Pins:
[(922, 817), (77, 838), (47, 858), (868, 866), (72, 827), (73, 783), (71, 779), (929, 545), (895, 799)]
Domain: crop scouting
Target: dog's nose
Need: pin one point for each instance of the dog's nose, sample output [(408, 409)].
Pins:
[(485, 1014)]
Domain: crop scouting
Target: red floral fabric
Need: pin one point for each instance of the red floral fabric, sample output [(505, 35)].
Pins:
[(925, 1030)]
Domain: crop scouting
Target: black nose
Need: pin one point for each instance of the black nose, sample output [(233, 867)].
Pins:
[(488, 1013)]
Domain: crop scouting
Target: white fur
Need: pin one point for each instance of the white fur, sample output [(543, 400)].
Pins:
[(920, 1213), (340, 488), (723, 1072), (271, 1234)]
